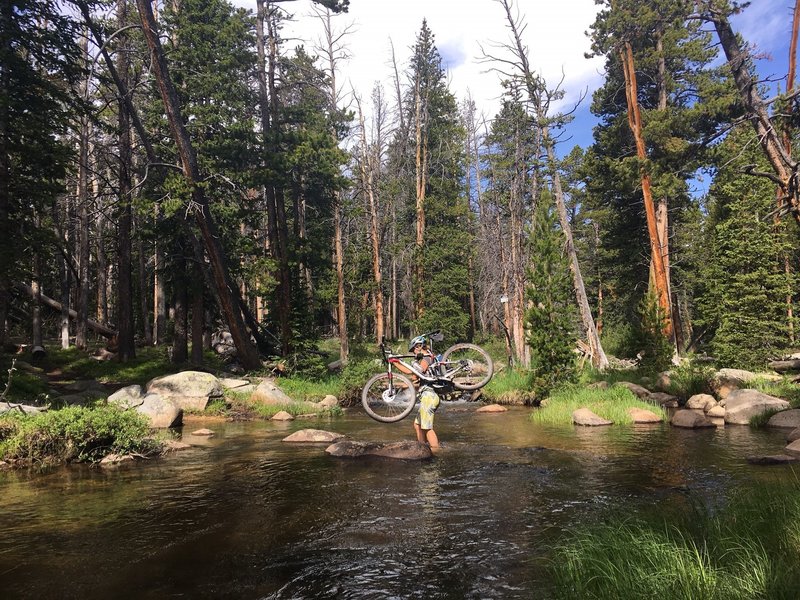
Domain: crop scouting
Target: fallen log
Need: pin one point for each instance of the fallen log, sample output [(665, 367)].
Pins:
[(784, 366), (49, 302)]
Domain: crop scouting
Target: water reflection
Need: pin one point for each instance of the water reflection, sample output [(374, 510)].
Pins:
[(244, 515)]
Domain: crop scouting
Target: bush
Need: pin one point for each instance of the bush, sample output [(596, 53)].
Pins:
[(690, 378), (75, 434)]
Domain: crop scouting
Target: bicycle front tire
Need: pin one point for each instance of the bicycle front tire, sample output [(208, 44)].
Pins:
[(388, 397), (480, 366)]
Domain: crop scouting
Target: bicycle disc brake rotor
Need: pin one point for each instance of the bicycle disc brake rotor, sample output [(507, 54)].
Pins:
[(389, 396)]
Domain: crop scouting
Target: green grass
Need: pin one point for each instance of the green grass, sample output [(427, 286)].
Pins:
[(74, 434), (612, 404), (747, 549), (510, 386), (782, 389)]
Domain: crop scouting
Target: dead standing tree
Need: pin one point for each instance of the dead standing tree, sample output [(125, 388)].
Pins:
[(539, 99), (785, 168)]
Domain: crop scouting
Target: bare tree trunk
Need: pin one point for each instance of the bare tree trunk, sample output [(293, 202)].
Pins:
[(341, 314), (599, 358), (159, 294), (421, 165), (784, 167), (656, 243), (367, 170), (144, 308), (273, 198), (81, 332), (198, 318), (533, 87), (246, 351), (36, 312), (6, 250), (125, 319), (180, 348)]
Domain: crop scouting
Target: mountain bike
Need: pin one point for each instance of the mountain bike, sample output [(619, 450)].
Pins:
[(389, 397)]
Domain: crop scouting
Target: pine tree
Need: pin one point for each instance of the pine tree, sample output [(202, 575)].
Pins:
[(551, 318), (746, 282)]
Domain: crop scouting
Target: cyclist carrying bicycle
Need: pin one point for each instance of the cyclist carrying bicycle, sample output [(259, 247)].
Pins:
[(428, 398)]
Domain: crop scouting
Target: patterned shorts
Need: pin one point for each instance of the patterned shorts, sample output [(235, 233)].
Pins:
[(428, 403)]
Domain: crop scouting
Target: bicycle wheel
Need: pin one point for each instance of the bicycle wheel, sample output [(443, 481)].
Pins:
[(388, 397), (468, 366)]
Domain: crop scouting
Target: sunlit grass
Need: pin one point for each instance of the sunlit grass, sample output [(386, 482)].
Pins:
[(510, 386), (611, 404), (747, 549)]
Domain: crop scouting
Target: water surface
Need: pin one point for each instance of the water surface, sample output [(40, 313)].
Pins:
[(244, 515)]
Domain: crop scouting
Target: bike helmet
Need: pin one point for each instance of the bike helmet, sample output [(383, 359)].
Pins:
[(420, 339)]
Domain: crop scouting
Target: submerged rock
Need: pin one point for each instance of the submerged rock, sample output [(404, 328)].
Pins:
[(586, 418), (397, 450), (491, 408), (313, 436)]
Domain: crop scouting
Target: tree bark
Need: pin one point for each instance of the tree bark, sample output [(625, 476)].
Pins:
[(246, 350), (125, 319), (656, 243), (198, 318), (81, 332), (783, 165), (273, 197), (532, 86), (58, 306)]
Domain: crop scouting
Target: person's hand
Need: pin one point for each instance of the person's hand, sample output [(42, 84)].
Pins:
[(420, 356)]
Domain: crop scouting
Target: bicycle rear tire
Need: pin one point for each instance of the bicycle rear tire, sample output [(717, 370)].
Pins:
[(481, 367), (389, 398)]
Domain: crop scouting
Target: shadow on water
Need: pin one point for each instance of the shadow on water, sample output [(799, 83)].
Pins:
[(243, 515)]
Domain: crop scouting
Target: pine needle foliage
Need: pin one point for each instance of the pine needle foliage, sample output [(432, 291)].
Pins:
[(551, 316)]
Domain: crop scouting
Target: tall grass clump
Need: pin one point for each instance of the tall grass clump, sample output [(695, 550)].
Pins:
[(690, 378), (611, 403), (74, 434), (510, 386), (747, 549)]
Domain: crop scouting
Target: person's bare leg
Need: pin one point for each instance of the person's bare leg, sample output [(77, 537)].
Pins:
[(433, 439), (419, 432)]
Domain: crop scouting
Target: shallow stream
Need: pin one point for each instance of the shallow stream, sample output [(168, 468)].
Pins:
[(244, 515)]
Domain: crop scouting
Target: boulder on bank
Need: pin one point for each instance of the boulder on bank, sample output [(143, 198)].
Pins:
[(396, 450), (189, 390), (269, 393), (716, 412), (663, 399), (162, 412), (640, 392), (282, 415), (641, 416), (690, 419), (743, 405), (702, 402), (313, 436), (793, 436), (329, 401), (586, 418), (786, 418), (128, 397)]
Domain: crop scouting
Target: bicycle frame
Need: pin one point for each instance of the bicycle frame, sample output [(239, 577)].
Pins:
[(434, 377)]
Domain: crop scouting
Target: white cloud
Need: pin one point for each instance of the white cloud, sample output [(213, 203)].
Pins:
[(554, 36)]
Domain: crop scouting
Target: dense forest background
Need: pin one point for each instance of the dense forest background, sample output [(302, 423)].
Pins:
[(173, 172)]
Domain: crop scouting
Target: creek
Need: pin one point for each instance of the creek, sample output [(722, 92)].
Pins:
[(244, 515)]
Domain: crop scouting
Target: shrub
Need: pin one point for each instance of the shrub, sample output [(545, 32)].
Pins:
[(75, 434)]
